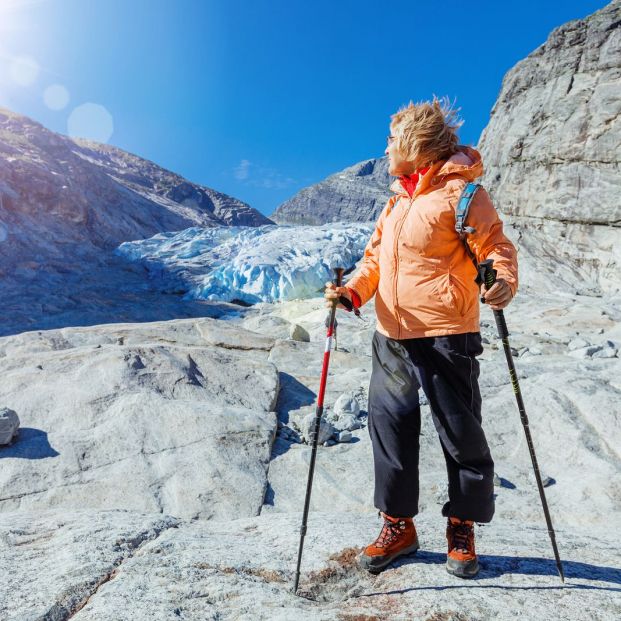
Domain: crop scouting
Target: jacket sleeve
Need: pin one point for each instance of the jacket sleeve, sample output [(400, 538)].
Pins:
[(489, 240), (365, 280)]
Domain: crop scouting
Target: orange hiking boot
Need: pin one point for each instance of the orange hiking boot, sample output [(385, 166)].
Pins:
[(462, 559), (398, 537)]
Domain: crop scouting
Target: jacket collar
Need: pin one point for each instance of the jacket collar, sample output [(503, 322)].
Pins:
[(466, 162)]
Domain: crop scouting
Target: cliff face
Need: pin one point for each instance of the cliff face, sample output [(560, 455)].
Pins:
[(56, 191), (356, 194), (552, 150)]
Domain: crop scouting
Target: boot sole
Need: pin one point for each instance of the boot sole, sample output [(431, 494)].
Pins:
[(462, 569), (375, 564)]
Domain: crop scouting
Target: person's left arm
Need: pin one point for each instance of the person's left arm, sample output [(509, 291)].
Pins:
[(489, 242)]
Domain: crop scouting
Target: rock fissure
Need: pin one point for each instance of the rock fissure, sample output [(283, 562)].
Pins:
[(135, 545)]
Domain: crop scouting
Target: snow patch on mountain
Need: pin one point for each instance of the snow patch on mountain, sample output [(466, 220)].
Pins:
[(249, 264)]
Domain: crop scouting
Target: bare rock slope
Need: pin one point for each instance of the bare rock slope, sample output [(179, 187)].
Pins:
[(552, 151), (159, 474), (356, 194)]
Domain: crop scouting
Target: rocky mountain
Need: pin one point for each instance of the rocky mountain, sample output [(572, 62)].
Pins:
[(66, 204), (552, 151), (356, 194), (55, 190)]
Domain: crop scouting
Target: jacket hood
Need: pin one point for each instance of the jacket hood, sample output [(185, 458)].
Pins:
[(466, 162)]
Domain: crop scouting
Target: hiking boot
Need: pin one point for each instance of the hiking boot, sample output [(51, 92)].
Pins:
[(398, 537), (462, 559)]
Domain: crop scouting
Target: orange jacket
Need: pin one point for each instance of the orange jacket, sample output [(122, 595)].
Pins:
[(417, 266)]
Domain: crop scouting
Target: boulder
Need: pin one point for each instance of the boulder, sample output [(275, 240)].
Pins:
[(9, 425)]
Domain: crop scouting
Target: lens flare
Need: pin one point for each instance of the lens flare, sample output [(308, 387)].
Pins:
[(91, 121), (56, 97), (24, 70)]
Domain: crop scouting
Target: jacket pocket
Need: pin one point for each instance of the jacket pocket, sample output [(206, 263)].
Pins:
[(453, 293)]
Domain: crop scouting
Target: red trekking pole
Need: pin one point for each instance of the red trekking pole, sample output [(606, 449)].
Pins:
[(322, 389)]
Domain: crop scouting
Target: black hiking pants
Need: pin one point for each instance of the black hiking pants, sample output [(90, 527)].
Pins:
[(447, 370)]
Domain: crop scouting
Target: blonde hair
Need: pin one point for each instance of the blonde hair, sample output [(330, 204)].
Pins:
[(426, 131)]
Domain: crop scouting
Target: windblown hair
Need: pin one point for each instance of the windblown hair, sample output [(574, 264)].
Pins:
[(426, 131)]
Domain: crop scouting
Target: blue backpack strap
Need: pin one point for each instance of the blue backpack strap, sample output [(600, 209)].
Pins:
[(463, 205), (461, 213)]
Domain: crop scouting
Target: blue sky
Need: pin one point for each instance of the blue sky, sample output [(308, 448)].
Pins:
[(259, 98)]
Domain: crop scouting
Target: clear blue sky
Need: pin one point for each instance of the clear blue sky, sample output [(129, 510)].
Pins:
[(260, 98)]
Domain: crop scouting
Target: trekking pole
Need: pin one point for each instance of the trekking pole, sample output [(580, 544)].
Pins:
[(488, 277), (322, 388)]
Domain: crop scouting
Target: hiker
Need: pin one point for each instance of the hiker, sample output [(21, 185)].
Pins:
[(427, 336)]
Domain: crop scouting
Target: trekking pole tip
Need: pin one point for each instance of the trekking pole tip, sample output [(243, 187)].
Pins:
[(561, 573)]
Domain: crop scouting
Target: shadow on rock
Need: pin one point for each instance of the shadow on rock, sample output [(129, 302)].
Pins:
[(292, 395), (497, 566), (30, 444)]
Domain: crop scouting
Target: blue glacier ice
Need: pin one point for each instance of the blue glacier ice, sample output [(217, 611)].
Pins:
[(249, 264)]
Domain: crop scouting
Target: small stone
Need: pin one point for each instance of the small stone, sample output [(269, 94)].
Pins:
[(298, 333), (585, 352), (577, 344), (545, 479), (346, 404), (347, 423), (9, 425), (345, 436), (326, 430), (606, 352), (497, 481)]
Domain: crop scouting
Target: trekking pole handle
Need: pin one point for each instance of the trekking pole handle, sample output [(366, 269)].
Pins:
[(487, 274), (338, 276)]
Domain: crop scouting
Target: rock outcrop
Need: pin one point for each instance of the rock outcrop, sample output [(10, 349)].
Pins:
[(552, 151), (174, 417), (356, 194)]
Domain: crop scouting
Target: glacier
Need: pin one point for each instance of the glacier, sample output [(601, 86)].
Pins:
[(249, 264)]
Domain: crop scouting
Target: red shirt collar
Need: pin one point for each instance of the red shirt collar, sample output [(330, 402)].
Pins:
[(409, 182)]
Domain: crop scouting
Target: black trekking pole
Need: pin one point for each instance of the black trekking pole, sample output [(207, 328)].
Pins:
[(322, 388), (487, 275)]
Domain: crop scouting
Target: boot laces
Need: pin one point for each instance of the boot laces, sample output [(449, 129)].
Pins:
[(461, 534), (390, 531)]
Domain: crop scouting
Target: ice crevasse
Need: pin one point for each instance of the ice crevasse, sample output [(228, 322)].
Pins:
[(250, 264)]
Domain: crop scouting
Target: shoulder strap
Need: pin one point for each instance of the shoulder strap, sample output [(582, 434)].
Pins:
[(463, 206), (461, 213)]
